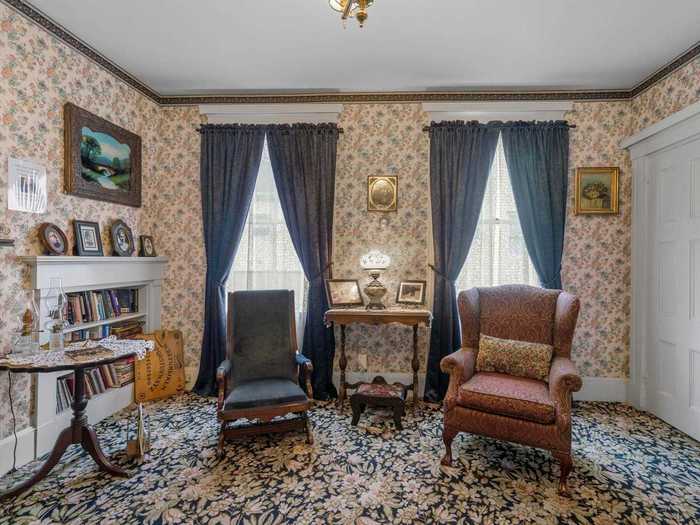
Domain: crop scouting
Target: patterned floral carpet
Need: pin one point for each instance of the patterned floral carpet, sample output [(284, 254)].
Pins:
[(629, 468)]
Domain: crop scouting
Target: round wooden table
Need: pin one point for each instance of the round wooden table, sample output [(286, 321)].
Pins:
[(79, 432)]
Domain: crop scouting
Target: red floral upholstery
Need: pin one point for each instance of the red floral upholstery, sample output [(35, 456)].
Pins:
[(380, 390), (529, 318), (511, 396), (501, 406)]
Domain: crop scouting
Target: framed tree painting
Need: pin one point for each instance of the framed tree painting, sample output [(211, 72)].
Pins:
[(102, 160)]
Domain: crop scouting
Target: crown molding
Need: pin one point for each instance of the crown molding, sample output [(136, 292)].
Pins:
[(55, 29)]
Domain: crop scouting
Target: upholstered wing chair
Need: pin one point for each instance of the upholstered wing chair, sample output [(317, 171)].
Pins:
[(259, 378), (527, 411)]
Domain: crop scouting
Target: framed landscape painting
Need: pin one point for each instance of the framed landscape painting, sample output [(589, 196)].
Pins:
[(102, 160)]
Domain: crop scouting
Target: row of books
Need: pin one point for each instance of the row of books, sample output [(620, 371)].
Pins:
[(97, 381), (121, 330), (96, 305)]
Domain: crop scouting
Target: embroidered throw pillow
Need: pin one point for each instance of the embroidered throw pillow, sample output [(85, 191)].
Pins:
[(516, 358)]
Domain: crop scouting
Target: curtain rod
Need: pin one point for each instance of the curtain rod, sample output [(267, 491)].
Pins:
[(198, 129), (427, 128)]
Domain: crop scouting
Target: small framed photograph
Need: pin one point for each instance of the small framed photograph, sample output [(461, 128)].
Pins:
[(87, 238), (344, 292), (597, 191), (53, 239), (411, 292), (122, 239), (382, 193), (148, 249)]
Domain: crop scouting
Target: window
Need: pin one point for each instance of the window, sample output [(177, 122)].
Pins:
[(498, 254), (266, 259)]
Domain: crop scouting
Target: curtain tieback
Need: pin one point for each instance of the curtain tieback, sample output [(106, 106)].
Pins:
[(440, 274), (320, 274)]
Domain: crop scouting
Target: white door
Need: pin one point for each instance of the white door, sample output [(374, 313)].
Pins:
[(673, 365)]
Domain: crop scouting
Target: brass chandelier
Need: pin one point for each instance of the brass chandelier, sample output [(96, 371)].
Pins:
[(352, 8)]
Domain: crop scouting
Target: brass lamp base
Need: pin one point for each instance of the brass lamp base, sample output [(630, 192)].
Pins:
[(375, 290)]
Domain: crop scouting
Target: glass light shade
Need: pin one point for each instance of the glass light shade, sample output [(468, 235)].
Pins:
[(375, 260)]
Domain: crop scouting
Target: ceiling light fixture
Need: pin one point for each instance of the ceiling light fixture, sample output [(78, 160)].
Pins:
[(352, 8)]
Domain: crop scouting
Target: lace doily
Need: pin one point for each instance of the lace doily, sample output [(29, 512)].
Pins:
[(118, 347)]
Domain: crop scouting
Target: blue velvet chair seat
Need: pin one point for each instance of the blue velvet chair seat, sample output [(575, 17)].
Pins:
[(264, 392)]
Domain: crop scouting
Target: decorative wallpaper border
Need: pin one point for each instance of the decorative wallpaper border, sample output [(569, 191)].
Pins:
[(63, 34)]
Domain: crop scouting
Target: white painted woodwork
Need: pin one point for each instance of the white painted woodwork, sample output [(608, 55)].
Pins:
[(80, 274), (270, 113), (665, 352), (504, 111)]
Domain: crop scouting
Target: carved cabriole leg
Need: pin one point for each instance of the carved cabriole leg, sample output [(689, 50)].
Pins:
[(448, 434), (565, 467), (342, 363), (398, 413)]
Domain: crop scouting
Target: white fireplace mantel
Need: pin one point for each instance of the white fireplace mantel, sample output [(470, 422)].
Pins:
[(80, 274)]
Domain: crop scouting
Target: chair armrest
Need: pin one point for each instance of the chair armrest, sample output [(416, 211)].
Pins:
[(307, 369), (563, 380), (222, 374), (460, 365)]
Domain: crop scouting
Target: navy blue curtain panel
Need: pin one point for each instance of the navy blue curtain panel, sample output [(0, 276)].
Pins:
[(303, 161), (230, 159), (461, 154), (537, 154)]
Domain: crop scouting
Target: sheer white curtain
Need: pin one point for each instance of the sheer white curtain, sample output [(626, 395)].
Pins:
[(266, 259), (498, 254)]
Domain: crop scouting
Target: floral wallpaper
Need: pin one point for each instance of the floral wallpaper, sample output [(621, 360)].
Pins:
[(38, 75), (596, 262), (177, 227), (383, 139)]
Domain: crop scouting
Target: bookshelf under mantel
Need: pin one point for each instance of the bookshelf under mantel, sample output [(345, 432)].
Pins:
[(83, 274), (104, 322)]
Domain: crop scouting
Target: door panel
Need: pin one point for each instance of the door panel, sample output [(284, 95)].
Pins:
[(674, 256)]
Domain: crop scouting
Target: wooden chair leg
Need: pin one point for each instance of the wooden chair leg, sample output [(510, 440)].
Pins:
[(565, 467), (356, 406), (309, 430), (222, 439), (398, 414), (448, 434)]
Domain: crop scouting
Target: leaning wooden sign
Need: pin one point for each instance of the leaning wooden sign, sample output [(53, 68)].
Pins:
[(161, 373)]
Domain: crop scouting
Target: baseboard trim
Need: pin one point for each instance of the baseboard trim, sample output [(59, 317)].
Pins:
[(594, 388), (25, 449), (603, 389)]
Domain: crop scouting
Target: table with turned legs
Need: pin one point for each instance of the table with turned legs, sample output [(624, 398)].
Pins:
[(343, 317)]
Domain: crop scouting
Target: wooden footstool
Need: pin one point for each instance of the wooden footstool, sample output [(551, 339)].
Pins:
[(379, 393)]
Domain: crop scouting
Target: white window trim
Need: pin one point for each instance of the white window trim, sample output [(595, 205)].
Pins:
[(271, 113), (488, 111)]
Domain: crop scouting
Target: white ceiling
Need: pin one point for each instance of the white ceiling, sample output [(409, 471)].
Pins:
[(213, 46)]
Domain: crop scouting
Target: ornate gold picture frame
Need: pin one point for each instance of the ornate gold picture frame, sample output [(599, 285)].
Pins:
[(382, 193), (597, 191)]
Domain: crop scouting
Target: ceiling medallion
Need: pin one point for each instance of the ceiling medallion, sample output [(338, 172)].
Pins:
[(352, 8)]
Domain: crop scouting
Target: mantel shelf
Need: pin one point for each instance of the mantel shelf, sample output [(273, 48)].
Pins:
[(85, 273), (36, 260)]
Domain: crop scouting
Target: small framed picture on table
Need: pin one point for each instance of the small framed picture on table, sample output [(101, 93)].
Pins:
[(344, 292), (411, 292)]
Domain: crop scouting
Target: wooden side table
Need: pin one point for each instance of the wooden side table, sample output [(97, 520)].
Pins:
[(79, 432), (344, 317)]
